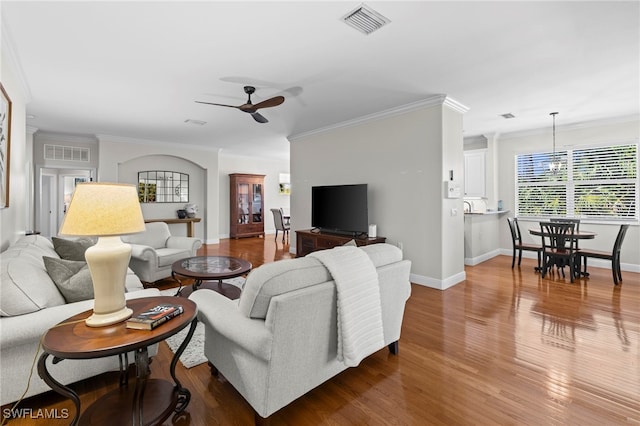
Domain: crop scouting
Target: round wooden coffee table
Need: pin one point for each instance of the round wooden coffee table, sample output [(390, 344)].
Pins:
[(151, 401), (211, 268)]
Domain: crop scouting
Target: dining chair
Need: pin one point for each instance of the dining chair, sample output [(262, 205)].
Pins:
[(278, 219), (566, 220), (519, 246), (559, 247), (613, 255)]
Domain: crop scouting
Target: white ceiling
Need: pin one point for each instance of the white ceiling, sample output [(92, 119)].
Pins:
[(134, 69)]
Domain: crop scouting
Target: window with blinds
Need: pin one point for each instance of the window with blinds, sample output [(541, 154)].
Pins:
[(594, 183)]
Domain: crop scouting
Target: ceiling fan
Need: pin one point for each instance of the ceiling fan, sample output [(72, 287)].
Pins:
[(251, 108)]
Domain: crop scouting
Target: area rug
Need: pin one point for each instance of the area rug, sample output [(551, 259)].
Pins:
[(194, 353)]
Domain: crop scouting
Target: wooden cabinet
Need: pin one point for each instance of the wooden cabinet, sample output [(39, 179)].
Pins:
[(247, 205), (308, 241), (474, 173)]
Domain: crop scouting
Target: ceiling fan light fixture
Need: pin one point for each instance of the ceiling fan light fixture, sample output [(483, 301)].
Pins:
[(507, 115), (250, 107), (365, 19), (555, 165)]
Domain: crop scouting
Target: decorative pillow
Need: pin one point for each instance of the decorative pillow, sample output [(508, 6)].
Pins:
[(71, 249), (351, 243), (72, 278)]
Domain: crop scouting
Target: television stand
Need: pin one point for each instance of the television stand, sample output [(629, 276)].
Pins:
[(308, 241)]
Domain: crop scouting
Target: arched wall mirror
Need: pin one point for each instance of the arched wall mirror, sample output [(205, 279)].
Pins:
[(159, 186)]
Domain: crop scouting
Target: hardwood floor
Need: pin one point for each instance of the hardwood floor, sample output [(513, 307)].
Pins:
[(503, 347)]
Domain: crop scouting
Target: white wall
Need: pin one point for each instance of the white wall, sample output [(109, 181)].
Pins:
[(118, 157), (404, 158), (114, 152), (44, 211), (14, 219), (252, 165), (593, 134), (452, 235), (128, 173)]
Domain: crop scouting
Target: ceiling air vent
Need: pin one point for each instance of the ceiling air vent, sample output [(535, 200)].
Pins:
[(365, 20)]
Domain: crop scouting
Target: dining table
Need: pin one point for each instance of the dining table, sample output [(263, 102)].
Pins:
[(577, 235)]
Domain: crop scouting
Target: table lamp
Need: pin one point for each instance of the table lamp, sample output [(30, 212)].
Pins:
[(106, 211)]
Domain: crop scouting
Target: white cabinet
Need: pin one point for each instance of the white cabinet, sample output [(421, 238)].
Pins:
[(475, 173)]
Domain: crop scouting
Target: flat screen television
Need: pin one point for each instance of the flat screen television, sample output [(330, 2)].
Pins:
[(340, 209)]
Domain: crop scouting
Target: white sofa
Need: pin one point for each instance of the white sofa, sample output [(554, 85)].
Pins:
[(279, 339), (30, 304), (154, 251)]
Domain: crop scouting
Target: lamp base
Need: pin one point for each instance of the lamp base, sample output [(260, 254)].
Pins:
[(108, 261), (101, 320)]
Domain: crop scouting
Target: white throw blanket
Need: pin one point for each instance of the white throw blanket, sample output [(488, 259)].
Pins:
[(360, 331)]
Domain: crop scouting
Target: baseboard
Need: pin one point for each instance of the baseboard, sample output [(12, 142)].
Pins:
[(436, 283), (479, 259)]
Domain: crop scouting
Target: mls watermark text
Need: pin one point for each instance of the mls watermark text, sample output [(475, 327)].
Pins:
[(35, 413)]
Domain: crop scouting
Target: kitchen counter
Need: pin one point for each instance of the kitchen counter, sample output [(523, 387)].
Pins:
[(481, 236)]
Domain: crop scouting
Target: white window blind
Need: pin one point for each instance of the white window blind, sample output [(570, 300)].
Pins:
[(594, 183)]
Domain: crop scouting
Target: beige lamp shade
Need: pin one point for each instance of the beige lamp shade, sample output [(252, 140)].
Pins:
[(103, 209)]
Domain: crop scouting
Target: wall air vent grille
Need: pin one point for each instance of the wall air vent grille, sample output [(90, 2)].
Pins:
[(365, 20), (66, 153)]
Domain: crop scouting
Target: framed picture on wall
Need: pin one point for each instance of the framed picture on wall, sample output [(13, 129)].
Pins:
[(285, 188), (5, 145)]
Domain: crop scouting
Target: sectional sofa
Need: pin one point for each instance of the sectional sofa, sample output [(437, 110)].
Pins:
[(31, 303)]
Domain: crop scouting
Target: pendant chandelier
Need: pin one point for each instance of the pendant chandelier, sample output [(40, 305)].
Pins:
[(555, 165)]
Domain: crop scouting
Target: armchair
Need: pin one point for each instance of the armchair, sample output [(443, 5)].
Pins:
[(154, 250)]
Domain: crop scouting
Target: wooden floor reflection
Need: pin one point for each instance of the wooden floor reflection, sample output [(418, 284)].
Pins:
[(503, 347), (546, 350)]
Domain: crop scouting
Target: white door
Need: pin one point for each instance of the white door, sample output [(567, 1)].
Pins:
[(67, 184), (47, 219)]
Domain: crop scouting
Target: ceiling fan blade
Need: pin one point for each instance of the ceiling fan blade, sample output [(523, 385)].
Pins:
[(259, 118), (211, 103), (275, 101)]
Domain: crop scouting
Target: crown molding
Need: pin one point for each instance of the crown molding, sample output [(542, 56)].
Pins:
[(431, 101), (572, 126), (149, 142), (455, 105), (31, 130), (9, 53), (62, 137)]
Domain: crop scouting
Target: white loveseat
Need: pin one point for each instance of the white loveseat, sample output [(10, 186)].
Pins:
[(279, 340), (30, 304)]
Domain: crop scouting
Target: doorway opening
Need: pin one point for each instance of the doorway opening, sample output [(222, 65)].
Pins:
[(56, 189)]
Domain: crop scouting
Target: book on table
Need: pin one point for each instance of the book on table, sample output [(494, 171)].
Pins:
[(151, 318)]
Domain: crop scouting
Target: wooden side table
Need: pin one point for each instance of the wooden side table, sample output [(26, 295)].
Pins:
[(153, 399), (190, 221)]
